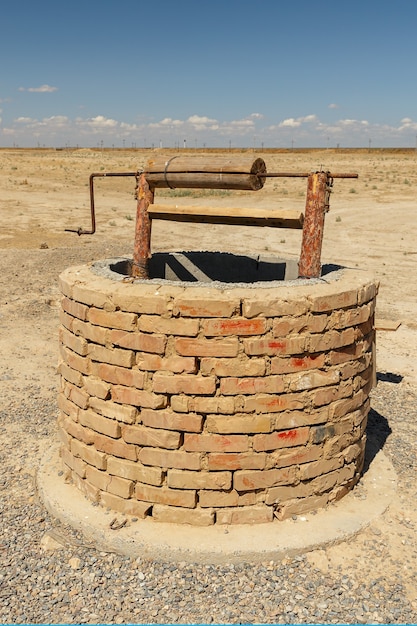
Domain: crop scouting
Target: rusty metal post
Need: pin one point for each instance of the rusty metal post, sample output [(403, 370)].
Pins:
[(317, 203), (142, 247)]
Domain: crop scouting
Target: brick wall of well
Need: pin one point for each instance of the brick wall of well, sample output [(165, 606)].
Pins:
[(201, 405)]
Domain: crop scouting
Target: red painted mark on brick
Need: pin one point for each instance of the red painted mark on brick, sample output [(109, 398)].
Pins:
[(277, 345), (288, 434)]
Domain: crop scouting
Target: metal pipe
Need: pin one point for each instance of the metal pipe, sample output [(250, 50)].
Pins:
[(302, 175), (92, 230)]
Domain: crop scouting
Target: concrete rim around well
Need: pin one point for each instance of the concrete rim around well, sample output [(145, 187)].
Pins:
[(219, 544)]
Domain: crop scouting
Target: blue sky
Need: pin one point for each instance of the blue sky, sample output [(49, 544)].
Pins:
[(272, 73)]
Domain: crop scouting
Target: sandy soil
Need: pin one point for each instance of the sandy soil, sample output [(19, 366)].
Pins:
[(371, 225)]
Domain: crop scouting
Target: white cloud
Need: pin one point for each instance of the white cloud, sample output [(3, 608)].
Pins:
[(333, 105), (98, 123), (292, 122), (41, 89)]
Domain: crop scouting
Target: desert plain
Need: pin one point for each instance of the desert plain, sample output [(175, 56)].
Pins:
[(371, 226)]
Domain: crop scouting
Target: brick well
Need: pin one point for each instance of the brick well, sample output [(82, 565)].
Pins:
[(201, 404)]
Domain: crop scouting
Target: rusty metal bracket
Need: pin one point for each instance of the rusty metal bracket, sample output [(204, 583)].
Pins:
[(92, 230)]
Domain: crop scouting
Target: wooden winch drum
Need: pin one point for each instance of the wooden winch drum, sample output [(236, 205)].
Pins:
[(242, 173)]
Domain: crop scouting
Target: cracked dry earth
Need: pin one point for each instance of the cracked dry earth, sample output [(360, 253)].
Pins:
[(49, 573)]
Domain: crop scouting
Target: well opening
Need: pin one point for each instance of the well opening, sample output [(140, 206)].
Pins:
[(212, 393)]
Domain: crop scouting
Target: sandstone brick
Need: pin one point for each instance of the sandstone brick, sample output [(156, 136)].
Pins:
[(65, 286), (337, 444), (164, 495), (313, 379), (75, 361), (118, 375), (330, 340), (93, 297), (321, 433), (190, 304), (269, 403), (283, 326), (184, 479), (345, 353), (325, 482), (68, 407), (297, 364), (215, 405), (71, 375), (368, 292), (239, 326), (100, 424), (96, 334), (330, 394), (74, 463), (351, 317), (63, 436), (247, 386), (182, 404), (112, 484), (284, 457), (235, 461), (76, 309), (76, 395), (244, 423), (113, 356), (279, 495), (302, 505), (223, 499), (354, 451), (169, 326), (270, 347), (73, 342), (248, 480), (274, 304), (215, 443), (97, 478), (331, 301), (115, 447), (137, 397), (89, 490), (134, 471), (128, 507), (125, 414), (242, 366), (141, 299), (170, 458), (89, 454), (281, 439), (341, 407), (320, 467), (78, 431), (245, 515), (189, 422), (175, 364), (139, 341), (152, 437), (66, 320), (227, 347), (120, 487), (177, 515), (183, 383), (294, 419), (112, 319), (96, 387)]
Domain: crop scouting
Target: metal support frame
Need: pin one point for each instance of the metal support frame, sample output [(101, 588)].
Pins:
[(319, 185)]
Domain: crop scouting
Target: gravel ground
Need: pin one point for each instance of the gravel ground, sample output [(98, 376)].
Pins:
[(48, 573)]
